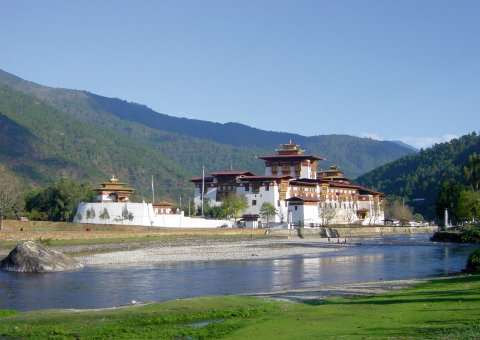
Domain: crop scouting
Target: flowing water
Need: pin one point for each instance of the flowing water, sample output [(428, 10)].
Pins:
[(387, 258)]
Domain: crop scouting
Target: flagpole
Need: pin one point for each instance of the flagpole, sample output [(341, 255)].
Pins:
[(153, 192)]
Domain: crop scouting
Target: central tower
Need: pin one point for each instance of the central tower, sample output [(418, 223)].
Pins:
[(291, 161)]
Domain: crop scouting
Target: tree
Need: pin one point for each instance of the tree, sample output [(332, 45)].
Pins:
[(234, 205), (266, 210), (418, 218), (472, 171), (90, 213), (326, 212), (10, 200), (448, 199), (104, 215), (379, 206), (60, 200), (126, 215), (350, 213), (468, 206), (396, 209)]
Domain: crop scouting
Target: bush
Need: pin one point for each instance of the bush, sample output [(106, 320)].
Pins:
[(471, 234), (473, 262)]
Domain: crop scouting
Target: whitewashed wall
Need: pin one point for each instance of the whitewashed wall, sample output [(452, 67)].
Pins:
[(143, 215), (271, 196)]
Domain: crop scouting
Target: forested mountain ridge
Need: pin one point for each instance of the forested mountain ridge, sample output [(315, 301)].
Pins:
[(419, 176), (41, 144), (192, 143)]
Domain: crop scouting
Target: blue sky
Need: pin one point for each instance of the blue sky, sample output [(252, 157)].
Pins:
[(398, 70)]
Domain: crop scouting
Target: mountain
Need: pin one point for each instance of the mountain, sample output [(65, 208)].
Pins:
[(61, 132), (418, 177), (399, 142), (41, 144)]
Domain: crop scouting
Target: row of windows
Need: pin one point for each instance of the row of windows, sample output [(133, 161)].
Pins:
[(254, 202), (256, 188), (339, 205), (341, 191)]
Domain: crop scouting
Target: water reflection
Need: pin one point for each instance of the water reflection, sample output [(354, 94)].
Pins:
[(382, 258)]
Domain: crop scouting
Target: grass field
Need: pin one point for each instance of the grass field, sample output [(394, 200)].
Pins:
[(438, 309)]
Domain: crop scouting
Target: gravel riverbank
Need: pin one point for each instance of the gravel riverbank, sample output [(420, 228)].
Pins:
[(214, 250), (340, 290)]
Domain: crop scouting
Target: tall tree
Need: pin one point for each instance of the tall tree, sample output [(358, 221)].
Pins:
[(472, 171), (379, 207), (10, 199), (448, 198), (90, 213), (126, 214), (104, 215)]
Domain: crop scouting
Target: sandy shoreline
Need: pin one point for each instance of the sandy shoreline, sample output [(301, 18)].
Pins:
[(344, 290), (215, 250)]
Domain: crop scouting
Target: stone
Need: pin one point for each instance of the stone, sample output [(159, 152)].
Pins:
[(32, 257)]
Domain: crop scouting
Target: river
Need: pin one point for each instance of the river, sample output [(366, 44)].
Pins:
[(386, 258)]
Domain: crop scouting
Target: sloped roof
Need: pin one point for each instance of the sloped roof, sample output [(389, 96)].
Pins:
[(231, 173), (288, 158)]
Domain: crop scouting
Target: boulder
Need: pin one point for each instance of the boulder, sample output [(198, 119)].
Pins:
[(32, 257)]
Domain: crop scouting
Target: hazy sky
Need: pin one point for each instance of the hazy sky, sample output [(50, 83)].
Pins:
[(407, 70)]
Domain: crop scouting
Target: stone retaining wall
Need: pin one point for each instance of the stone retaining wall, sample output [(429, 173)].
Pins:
[(342, 231)]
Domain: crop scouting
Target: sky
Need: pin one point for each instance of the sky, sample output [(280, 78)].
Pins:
[(396, 70)]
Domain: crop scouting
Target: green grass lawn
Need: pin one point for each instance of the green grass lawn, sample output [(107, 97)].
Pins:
[(438, 309)]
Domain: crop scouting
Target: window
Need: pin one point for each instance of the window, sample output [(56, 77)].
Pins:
[(247, 187), (254, 202), (267, 187), (296, 207)]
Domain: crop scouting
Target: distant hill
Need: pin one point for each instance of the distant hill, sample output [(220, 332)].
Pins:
[(419, 176), (61, 132), (405, 145)]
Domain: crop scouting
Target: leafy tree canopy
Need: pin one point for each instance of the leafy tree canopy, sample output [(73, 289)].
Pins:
[(267, 210), (59, 201), (234, 205)]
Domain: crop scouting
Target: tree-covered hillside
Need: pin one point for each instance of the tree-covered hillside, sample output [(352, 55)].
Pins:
[(418, 177), (42, 144), (193, 143)]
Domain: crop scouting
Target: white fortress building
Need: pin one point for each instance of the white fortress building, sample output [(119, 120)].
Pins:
[(300, 193)]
